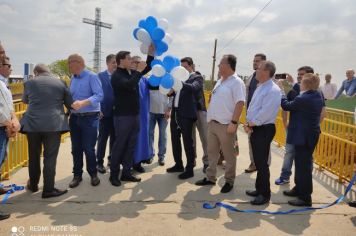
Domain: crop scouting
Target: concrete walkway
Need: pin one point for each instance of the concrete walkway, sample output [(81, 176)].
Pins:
[(164, 205)]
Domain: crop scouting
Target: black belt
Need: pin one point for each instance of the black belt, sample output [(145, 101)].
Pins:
[(263, 126), (86, 113)]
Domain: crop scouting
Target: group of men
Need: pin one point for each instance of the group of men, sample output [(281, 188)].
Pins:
[(121, 104)]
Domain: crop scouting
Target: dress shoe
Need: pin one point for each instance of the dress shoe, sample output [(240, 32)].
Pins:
[(300, 203), (291, 193), (204, 182), (4, 216), (260, 200), (54, 193), (130, 178), (352, 204), (139, 168), (101, 169), (252, 193), (115, 181), (204, 168), (175, 169), (161, 162), (3, 191), (226, 188), (186, 175), (149, 161), (32, 188), (94, 181), (251, 168), (75, 182)]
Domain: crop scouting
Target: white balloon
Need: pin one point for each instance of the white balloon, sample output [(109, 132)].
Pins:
[(167, 38), (158, 70), (163, 23), (178, 85), (144, 36), (180, 73), (144, 48), (163, 90)]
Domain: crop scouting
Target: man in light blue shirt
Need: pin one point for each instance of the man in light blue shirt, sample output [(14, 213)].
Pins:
[(87, 93), (349, 85), (261, 116)]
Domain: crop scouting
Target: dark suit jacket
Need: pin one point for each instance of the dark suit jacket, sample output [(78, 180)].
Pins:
[(304, 122), (106, 105), (294, 92), (45, 96), (199, 90), (187, 105)]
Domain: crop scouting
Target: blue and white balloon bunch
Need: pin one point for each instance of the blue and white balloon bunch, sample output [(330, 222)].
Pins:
[(150, 30), (168, 74)]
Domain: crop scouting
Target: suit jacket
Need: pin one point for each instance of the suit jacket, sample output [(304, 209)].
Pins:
[(187, 105), (294, 92), (251, 85), (304, 122), (199, 90), (107, 104), (45, 96)]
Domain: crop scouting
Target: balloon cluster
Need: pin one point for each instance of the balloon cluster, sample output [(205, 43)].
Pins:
[(150, 30), (168, 74)]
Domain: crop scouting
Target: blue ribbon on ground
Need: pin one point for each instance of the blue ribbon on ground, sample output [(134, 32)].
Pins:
[(13, 188), (231, 208)]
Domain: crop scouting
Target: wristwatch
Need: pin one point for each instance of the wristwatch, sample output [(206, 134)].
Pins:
[(234, 122)]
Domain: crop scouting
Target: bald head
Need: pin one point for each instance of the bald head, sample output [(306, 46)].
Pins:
[(41, 69), (76, 64), (350, 74)]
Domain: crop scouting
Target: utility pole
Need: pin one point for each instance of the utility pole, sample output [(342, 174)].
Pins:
[(97, 48), (214, 59)]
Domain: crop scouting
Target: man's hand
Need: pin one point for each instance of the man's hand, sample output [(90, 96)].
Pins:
[(167, 114), (78, 104), (15, 125), (247, 129), (232, 128), (290, 79), (151, 50), (101, 115), (141, 66)]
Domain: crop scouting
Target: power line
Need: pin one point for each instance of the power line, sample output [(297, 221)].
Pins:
[(246, 26)]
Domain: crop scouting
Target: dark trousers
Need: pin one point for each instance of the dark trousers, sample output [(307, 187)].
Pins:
[(261, 139), (51, 142), (83, 134), (126, 132), (181, 126), (303, 171), (106, 130)]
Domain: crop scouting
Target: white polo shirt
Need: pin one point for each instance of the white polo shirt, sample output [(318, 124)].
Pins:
[(224, 98)]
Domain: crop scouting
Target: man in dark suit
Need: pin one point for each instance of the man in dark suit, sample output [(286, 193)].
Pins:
[(43, 123), (106, 123), (183, 117), (303, 133)]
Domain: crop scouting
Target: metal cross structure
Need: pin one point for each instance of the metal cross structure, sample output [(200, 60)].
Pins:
[(98, 24)]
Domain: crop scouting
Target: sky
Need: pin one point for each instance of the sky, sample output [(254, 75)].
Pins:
[(319, 33)]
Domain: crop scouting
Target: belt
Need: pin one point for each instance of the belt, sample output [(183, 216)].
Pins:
[(263, 126), (86, 113)]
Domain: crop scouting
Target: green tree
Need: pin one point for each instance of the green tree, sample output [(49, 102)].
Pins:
[(60, 68)]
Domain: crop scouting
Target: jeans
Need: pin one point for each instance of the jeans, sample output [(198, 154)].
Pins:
[(83, 134), (288, 162), (162, 139), (3, 145)]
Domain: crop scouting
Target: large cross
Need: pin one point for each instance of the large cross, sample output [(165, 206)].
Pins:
[(98, 24)]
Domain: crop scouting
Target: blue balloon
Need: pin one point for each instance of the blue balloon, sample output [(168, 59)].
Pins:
[(158, 34), (168, 63), (167, 81), (160, 46), (156, 62), (135, 33), (142, 24), (154, 81), (151, 23), (177, 62)]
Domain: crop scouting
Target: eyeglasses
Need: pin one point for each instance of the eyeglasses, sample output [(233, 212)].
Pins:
[(136, 62), (9, 65)]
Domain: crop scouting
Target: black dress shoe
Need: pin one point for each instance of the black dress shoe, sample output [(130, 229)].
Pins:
[(260, 200), (149, 161), (138, 168), (175, 169), (352, 204), (130, 178), (300, 203), (204, 168), (54, 193), (94, 181), (4, 216), (75, 182), (161, 162), (32, 188), (186, 175), (101, 169), (252, 193), (204, 182), (226, 188), (115, 181), (291, 193)]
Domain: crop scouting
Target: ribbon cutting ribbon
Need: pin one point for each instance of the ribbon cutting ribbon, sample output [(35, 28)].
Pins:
[(234, 209), (13, 188)]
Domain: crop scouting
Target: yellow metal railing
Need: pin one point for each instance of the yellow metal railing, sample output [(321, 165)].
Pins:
[(340, 115), (16, 88)]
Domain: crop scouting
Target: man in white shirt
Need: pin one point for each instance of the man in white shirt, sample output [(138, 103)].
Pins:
[(226, 104), (329, 89)]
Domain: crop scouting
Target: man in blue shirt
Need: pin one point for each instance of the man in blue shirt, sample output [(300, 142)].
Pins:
[(349, 85), (106, 123), (85, 88)]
